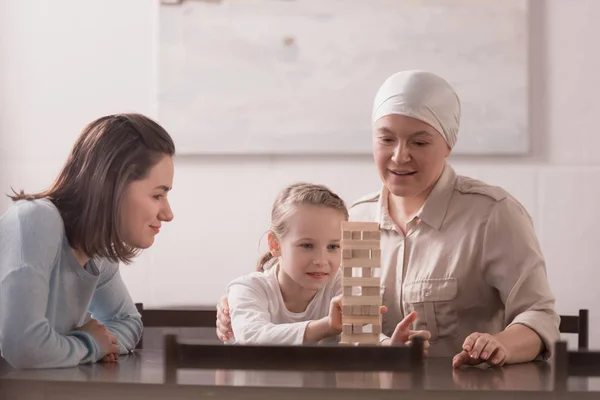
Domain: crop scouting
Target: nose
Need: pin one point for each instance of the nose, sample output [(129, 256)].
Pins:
[(401, 153), (320, 258), (166, 214)]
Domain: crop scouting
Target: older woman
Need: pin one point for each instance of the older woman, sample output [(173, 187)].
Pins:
[(460, 252)]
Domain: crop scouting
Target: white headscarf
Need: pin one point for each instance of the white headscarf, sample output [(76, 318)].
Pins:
[(421, 95)]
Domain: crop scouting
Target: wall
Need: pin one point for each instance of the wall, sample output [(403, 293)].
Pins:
[(53, 82)]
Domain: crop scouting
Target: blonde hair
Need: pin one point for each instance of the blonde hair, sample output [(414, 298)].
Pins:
[(293, 196)]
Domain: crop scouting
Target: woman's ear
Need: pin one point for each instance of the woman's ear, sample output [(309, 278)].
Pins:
[(273, 244)]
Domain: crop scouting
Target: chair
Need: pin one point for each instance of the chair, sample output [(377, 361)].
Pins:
[(180, 355), (193, 317), (578, 324), (567, 363)]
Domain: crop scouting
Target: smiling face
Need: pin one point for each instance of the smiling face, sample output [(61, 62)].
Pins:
[(409, 154), (309, 251), (145, 205)]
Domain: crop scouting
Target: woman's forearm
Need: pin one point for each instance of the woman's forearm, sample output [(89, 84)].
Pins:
[(522, 343)]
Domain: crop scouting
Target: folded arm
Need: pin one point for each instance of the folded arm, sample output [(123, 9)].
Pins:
[(113, 307)]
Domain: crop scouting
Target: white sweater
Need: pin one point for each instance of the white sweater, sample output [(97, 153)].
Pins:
[(258, 313)]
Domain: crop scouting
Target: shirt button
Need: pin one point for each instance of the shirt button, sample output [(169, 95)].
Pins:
[(427, 293)]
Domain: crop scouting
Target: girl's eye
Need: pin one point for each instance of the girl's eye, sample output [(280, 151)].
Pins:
[(306, 245), (158, 196), (421, 144), (333, 246)]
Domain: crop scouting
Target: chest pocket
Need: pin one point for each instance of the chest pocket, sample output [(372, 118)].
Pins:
[(434, 302)]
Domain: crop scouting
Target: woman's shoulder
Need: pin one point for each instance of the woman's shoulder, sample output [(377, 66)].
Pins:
[(38, 216), (467, 185), (366, 199), (32, 232), (496, 197), (365, 208)]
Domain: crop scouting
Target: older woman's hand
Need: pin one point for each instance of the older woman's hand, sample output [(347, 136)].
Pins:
[(404, 335), (479, 348)]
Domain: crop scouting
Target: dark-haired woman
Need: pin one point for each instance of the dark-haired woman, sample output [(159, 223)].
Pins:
[(62, 299)]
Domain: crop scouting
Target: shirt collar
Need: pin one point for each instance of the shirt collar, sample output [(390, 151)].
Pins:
[(433, 210)]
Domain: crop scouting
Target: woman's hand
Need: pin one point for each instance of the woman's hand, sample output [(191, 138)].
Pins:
[(404, 335), (109, 344), (479, 348), (110, 358)]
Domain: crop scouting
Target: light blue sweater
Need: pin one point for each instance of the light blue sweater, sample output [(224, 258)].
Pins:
[(45, 293)]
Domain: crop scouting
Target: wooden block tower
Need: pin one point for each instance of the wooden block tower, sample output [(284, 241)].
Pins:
[(361, 252)]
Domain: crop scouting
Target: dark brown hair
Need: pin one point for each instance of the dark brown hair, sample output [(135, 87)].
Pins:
[(285, 206), (110, 152)]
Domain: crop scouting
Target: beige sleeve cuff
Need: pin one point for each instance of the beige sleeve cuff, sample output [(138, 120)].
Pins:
[(545, 324)]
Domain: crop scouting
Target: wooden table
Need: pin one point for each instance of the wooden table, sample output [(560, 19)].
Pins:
[(140, 375)]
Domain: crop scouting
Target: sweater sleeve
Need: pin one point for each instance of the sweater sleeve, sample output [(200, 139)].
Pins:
[(30, 240), (112, 306), (251, 320)]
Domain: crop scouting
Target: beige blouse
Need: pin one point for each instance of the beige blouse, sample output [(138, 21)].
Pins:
[(470, 262)]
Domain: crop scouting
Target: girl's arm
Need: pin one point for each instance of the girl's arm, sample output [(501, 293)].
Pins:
[(252, 322), (328, 326)]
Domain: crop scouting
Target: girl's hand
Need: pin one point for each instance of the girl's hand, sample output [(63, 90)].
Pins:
[(335, 315)]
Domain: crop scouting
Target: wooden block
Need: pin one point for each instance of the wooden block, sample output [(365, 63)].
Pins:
[(366, 310), (357, 328), (356, 310), (361, 262), (360, 226), (364, 253), (347, 235), (376, 254), (361, 319), (363, 282), (371, 291), (371, 235), (347, 271), (346, 329), (360, 244), (346, 254), (346, 310), (367, 272), (363, 338), (374, 310), (356, 235), (376, 328), (362, 301), (347, 290)]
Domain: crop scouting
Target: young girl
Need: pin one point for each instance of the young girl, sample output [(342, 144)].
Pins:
[(60, 249), (294, 298)]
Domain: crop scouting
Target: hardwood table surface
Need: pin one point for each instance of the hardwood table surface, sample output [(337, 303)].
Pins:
[(145, 368)]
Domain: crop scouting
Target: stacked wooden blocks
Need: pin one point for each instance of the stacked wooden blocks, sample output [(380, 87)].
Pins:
[(361, 253)]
